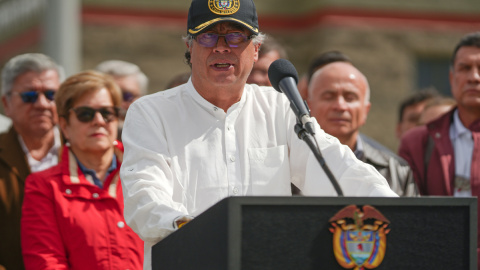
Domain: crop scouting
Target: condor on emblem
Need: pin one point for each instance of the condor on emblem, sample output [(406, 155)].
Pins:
[(359, 237)]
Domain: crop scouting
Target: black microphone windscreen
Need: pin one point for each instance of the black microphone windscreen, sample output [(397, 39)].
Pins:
[(280, 69)]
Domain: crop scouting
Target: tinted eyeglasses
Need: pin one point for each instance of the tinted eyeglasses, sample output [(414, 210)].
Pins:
[(127, 96), (32, 96), (86, 114), (233, 39)]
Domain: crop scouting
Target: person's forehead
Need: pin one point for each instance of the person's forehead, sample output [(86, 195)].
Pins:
[(339, 89), (45, 76), (338, 77), (338, 71), (467, 53)]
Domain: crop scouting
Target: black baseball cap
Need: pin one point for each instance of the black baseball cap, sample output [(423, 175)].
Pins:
[(206, 13)]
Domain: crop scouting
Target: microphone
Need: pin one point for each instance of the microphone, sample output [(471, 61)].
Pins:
[(284, 78)]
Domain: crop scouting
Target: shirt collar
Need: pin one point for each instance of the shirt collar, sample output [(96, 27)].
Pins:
[(458, 127), (359, 153), (212, 109), (57, 143), (93, 174), (110, 169)]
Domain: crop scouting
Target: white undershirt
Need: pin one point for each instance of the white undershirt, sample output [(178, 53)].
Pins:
[(51, 159)]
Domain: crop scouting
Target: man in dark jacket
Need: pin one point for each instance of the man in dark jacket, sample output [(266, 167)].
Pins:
[(338, 96), (29, 83)]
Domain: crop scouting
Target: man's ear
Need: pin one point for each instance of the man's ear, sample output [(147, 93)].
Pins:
[(257, 49), (367, 110), (189, 47), (6, 106), (368, 106)]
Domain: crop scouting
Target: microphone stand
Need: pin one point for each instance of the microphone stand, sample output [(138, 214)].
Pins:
[(309, 139)]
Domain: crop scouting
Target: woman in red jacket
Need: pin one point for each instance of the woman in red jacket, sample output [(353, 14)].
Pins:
[(72, 215)]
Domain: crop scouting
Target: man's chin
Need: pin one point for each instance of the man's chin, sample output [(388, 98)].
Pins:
[(39, 128), (336, 132)]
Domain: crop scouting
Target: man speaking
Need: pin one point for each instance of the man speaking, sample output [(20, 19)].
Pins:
[(216, 136)]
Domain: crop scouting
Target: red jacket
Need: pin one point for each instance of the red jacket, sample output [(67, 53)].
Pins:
[(440, 175), (69, 223), (439, 179)]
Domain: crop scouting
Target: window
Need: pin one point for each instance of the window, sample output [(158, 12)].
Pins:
[(433, 72)]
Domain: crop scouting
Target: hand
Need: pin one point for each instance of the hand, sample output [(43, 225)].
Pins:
[(181, 221)]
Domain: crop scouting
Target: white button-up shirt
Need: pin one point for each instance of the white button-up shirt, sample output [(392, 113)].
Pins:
[(183, 155), (462, 141), (50, 160)]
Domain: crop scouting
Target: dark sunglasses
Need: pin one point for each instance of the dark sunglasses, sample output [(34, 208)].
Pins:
[(32, 96), (232, 39), (86, 114)]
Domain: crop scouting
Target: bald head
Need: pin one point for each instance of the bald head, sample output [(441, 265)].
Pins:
[(341, 71), (338, 97)]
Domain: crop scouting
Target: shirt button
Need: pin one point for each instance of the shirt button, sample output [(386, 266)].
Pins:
[(228, 128), (68, 191), (121, 224), (437, 135), (235, 190), (95, 195), (232, 158)]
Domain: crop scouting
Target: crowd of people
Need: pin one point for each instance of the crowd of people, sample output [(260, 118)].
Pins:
[(86, 185)]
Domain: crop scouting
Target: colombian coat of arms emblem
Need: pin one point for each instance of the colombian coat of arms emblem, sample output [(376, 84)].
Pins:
[(224, 7), (359, 237)]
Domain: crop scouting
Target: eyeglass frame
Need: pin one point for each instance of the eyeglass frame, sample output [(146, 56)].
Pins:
[(245, 39), (49, 95), (116, 113)]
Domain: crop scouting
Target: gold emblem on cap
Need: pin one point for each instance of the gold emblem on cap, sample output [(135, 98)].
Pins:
[(224, 7)]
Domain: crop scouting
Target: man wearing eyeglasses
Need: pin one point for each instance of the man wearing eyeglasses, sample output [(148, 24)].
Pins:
[(29, 84), (216, 136), (131, 80)]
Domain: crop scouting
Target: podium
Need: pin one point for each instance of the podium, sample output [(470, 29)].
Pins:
[(296, 233)]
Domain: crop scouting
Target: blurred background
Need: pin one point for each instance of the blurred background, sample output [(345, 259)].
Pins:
[(401, 46)]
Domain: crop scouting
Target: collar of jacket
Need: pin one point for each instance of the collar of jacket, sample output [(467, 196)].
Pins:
[(73, 177), (436, 127), (12, 155), (443, 123), (475, 126), (372, 152)]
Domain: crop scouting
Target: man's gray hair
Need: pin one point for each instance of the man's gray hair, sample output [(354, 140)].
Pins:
[(119, 68), (24, 63)]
